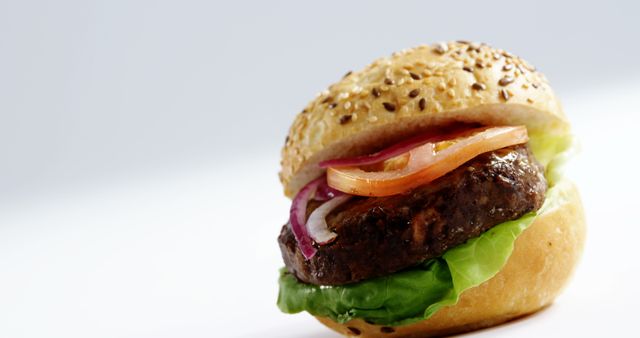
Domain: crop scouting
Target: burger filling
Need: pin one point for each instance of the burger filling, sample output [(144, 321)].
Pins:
[(398, 234), (377, 236)]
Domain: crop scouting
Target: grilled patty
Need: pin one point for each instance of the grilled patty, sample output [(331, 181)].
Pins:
[(381, 235)]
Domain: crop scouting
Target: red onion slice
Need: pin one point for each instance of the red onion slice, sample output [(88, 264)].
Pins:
[(297, 217), (317, 223), (392, 151)]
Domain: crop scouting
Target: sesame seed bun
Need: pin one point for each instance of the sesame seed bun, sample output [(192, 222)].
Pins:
[(412, 91), (425, 88), (542, 261)]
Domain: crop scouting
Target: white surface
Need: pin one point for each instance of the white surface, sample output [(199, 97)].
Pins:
[(139, 145), (194, 254)]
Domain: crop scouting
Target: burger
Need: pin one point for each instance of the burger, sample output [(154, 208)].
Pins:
[(428, 196)]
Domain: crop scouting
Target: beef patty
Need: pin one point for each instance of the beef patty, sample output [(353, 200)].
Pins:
[(381, 235)]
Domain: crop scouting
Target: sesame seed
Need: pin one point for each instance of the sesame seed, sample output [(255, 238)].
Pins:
[(333, 105), (441, 86), (388, 81), (286, 140), (390, 107), (525, 86), (387, 329), (530, 100), (505, 94), (506, 80), (347, 105), (347, 74), (479, 64), (535, 85), (422, 103), (326, 99), (497, 56), (415, 76), (354, 330), (440, 48), (375, 92), (452, 82), (372, 119), (464, 42), (507, 67), (345, 119), (414, 93), (451, 93), (467, 69), (304, 111), (478, 86)]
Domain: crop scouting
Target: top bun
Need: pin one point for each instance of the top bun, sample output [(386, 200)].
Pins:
[(412, 91)]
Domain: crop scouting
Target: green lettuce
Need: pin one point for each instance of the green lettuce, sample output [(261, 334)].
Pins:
[(416, 294)]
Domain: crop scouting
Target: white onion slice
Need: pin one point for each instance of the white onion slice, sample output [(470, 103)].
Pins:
[(317, 224)]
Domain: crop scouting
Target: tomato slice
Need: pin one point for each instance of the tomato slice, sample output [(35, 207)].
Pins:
[(425, 163)]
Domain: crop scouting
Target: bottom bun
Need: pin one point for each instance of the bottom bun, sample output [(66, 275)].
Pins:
[(542, 261)]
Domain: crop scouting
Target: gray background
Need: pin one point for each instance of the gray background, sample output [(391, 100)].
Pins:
[(93, 91)]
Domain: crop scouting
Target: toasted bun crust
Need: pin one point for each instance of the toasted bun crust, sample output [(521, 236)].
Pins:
[(412, 91), (542, 261)]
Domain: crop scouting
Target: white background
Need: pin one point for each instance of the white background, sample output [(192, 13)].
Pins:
[(139, 149)]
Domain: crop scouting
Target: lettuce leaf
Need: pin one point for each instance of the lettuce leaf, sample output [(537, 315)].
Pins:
[(552, 151), (381, 300), (416, 294)]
